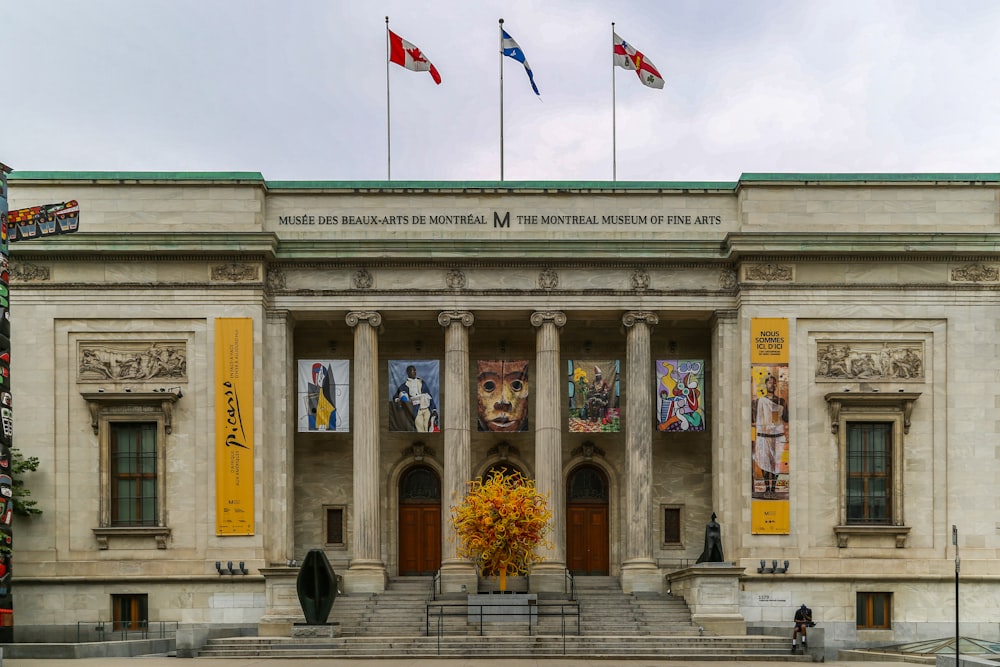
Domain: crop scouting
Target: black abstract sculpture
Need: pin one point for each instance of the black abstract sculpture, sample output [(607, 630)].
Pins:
[(317, 587), (713, 543)]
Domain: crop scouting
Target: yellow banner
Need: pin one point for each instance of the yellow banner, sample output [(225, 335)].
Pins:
[(234, 426), (769, 431)]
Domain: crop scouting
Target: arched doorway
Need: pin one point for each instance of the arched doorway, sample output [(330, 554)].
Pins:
[(419, 522), (587, 543)]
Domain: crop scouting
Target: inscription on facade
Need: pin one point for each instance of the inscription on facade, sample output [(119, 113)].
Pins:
[(499, 219)]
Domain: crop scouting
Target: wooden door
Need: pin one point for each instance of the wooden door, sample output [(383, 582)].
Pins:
[(419, 539), (587, 539)]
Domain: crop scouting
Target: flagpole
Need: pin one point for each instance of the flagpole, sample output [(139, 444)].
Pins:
[(388, 116), (501, 99), (614, 120)]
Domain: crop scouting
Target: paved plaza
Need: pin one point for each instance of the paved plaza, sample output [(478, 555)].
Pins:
[(159, 661)]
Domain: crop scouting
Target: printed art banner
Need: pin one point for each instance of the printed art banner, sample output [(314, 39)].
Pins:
[(502, 392), (324, 395), (234, 426), (769, 431), (680, 401), (413, 404), (594, 391)]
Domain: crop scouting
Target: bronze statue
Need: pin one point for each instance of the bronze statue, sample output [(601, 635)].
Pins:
[(317, 587), (713, 543)]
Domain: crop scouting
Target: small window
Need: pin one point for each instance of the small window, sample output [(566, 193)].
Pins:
[(874, 611), (133, 474), (130, 611), (335, 526), (672, 526)]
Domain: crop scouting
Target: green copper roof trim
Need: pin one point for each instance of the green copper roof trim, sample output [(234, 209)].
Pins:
[(257, 177), (136, 176), (501, 185), (869, 178)]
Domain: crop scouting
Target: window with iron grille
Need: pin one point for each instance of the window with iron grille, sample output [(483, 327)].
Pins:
[(869, 473), (130, 611), (335, 526)]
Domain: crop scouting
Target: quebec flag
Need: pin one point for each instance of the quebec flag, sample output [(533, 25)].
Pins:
[(512, 50)]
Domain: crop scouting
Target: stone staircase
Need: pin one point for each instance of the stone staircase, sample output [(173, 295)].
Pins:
[(612, 623)]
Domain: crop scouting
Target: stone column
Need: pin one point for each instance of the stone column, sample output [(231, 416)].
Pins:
[(639, 571), (729, 425), (282, 607), (550, 574), (366, 572), (456, 572)]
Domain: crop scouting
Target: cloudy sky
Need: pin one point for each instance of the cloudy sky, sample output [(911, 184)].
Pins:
[(296, 90)]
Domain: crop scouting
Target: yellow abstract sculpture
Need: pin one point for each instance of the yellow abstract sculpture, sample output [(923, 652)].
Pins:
[(501, 522)]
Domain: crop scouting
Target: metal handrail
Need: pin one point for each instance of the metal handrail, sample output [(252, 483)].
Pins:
[(440, 610), (572, 584), (436, 585), (105, 631)]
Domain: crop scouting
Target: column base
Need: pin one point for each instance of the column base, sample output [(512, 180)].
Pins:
[(641, 577), (548, 577), (459, 576), (365, 577)]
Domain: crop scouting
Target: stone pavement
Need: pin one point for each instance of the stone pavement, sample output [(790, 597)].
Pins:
[(159, 661)]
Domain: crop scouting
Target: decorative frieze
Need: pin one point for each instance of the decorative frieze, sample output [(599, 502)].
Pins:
[(139, 362), (975, 273), (235, 273), (548, 279), (588, 450), (768, 273), (28, 272), (363, 279), (275, 280), (640, 279), (727, 279), (874, 360), (455, 279)]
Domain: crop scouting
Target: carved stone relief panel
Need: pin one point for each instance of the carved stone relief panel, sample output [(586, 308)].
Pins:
[(161, 361), (768, 273), (975, 273), (235, 273), (870, 360)]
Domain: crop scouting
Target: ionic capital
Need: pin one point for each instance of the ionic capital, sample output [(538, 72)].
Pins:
[(633, 317), (554, 316), (446, 317), (372, 317)]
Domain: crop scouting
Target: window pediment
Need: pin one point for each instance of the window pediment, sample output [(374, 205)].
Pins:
[(901, 401), (125, 403)]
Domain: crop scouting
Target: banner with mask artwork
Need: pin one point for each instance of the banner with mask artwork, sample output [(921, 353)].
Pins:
[(324, 395), (502, 391), (594, 391), (680, 398), (769, 431), (414, 401)]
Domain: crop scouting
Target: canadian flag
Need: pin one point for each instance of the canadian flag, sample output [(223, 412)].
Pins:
[(407, 55)]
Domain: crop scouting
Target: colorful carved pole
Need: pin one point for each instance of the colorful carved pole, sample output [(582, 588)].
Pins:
[(18, 225)]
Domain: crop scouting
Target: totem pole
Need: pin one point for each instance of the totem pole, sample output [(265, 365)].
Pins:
[(18, 225)]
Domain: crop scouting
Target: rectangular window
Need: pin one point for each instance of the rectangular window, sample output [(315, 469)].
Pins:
[(130, 611), (869, 473), (671, 525), (133, 473), (334, 525), (874, 611)]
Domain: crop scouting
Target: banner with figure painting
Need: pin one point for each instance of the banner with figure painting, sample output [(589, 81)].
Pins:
[(594, 391), (769, 432), (414, 401), (324, 395), (680, 398)]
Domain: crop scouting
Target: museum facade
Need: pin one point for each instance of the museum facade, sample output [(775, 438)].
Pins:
[(219, 373)]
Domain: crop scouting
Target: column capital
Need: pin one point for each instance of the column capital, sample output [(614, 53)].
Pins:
[(633, 317), (447, 317), (540, 317), (355, 317)]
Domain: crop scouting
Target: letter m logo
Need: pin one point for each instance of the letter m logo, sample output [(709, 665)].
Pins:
[(501, 222)]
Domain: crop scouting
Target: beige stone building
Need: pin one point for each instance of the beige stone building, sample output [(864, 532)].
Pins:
[(878, 293)]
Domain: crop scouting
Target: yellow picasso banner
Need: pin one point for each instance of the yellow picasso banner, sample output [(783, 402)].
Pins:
[(769, 426), (234, 426)]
